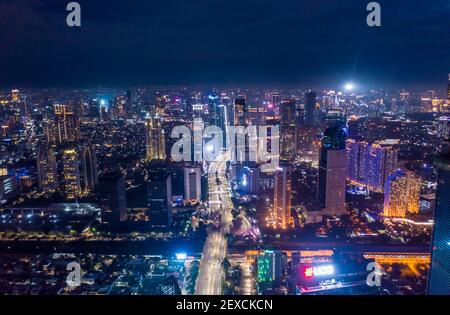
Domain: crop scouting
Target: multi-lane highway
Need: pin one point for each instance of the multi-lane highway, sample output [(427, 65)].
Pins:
[(209, 280)]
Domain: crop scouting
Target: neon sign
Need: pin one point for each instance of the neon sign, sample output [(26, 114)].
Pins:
[(323, 270)]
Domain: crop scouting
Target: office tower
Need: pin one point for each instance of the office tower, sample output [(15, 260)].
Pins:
[(89, 164), (94, 108), (401, 194), (192, 183), (269, 265), (439, 274), (119, 107), (65, 126), (282, 198), (71, 173), (159, 194), (240, 111), (250, 180), (332, 171), (47, 171), (335, 118), (370, 164), (160, 105), (155, 142), (111, 191), (130, 104), (168, 286), (443, 128), (7, 184), (287, 129), (310, 107)]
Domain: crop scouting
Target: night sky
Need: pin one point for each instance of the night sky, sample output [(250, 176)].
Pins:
[(310, 43)]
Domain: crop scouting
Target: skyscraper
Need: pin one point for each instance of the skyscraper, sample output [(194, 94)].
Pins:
[(112, 195), (89, 164), (159, 194), (65, 125), (287, 129), (240, 110), (155, 141), (332, 171), (310, 107), (439, 275), (71, 173), (370, 164), (282, 198), (401, 194), (192, 183), (47, 171)]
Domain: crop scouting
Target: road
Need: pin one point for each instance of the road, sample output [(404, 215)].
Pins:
[(209, 280), (247, 279)]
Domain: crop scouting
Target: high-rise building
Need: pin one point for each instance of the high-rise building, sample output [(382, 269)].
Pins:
[(401, 194), (65, 126), (192, 183), (269, 265), (89, 164), (112, 195), (15, 95), (439, 274), (155, 141), (94, 108), (310, 107), (282, 217), (240, 110), (332, 171), (335, 118), (443, 128), (288, 129), (47, 171), (370, 164), (159, 194), (71, 173)]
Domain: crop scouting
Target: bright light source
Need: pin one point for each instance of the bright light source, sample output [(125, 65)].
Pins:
[(210, 148), (181, 256), (348, 86)]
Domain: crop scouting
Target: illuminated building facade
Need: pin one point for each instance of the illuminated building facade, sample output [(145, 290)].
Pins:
[(443, 128), (287, 129), (240, 109), (192, 183), (370, 164), (89, 164), (401, 194), (269, 265), (155, 142), (439, 275), (64, 127), (47, 171), (282, 198), (71, 173), (7, 184), (332, 171)]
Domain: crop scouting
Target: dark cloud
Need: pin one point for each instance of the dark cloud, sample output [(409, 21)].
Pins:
[(218, 41)]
